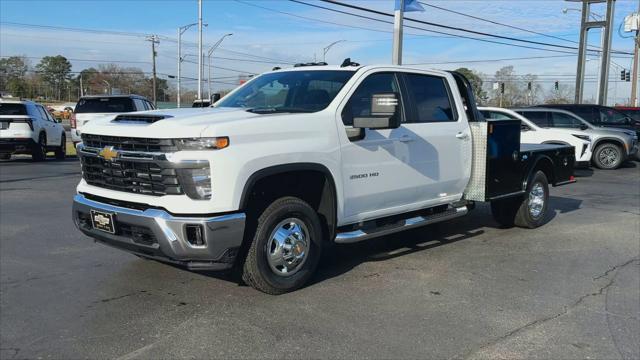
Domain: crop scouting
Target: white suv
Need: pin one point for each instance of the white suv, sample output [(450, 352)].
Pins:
[(28, 128), (97, 106)]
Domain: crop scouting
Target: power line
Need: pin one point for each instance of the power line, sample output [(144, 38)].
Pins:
[(429, 30), (496, 22), (444, 26)]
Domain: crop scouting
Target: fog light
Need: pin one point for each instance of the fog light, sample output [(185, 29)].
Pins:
[(195, 235), (196, 182)]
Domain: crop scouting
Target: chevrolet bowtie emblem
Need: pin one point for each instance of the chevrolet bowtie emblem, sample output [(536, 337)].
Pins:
[(108, 153)]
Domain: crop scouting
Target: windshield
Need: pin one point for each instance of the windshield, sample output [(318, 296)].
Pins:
[(13, 109), (104, 105), (292, 91)]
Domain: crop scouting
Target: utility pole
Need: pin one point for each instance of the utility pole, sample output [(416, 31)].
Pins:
[(585, 25), (215, 46), (632, 23), (200, 54), (397, 34), (154, 40)]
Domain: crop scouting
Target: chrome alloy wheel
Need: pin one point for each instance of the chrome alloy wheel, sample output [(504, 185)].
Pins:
[(288, 247), (536, 200), (608, 157)]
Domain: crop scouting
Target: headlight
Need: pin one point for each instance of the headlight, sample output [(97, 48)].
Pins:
[(202, 143), (583, 137), (196, 183)]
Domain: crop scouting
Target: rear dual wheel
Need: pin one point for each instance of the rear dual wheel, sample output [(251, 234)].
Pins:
[(528, 211)]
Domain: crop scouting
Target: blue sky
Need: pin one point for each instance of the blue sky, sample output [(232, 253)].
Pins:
[(262, 32)]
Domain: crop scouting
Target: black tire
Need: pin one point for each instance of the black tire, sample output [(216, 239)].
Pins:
[(529, 215), (39, 152), (516, 211), (61, 152), (608, 156), (261, 273), (5, 156), (504, 211)]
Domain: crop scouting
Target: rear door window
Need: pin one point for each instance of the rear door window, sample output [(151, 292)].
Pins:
[(13, 109), (494, 115), (431, 99), (140, 106), (540, 118), (104, 105), (565, 121)]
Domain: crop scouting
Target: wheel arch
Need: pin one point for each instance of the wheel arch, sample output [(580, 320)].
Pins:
[(326, 203), (545, 164)]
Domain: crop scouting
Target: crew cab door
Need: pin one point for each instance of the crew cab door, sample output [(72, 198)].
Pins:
[(440, 148), (391, 171)]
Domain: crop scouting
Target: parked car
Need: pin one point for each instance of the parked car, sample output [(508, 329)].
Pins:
[(94, 107), (631, 111), (602, 116), (297, 159), (533, 134), (28, 128), (611, 147)]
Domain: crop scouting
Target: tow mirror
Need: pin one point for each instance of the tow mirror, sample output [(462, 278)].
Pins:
[(384, 113)]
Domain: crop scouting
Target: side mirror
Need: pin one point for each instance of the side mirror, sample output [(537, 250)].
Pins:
[(384, 113), (215, 97), (524, 127), (584, 127)]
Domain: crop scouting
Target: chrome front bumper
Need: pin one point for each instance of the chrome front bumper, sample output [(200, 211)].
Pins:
[(154, 233)]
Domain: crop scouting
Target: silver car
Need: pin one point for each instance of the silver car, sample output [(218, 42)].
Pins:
[(611, 147)]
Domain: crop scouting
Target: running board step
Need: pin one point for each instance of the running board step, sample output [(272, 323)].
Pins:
[(348, 237)]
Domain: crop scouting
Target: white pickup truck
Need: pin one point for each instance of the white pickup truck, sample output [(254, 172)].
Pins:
[(297, 159)]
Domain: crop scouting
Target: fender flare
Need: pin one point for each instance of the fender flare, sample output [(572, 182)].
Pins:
[(285, 168), (534, 166)]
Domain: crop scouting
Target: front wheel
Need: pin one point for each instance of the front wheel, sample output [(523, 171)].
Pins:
[(61, 152), (608, 156), (285, 248)]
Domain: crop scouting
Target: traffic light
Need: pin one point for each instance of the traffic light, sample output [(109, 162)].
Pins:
[(501, 88), (556, 85), (623, 74), (627, 76), (529, 86)]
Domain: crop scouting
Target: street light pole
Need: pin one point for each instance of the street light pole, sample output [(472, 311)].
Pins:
[(215, 46), (326, 49), (181, 30), (200, 50)]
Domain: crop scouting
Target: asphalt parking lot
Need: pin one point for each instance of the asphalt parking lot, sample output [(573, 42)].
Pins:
[(462, 289)]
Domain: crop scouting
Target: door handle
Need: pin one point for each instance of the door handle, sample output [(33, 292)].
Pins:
[(405, 138), (462, 135)]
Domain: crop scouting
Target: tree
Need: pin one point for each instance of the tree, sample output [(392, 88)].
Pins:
[(476, 83), (12, 75), (55, 71)]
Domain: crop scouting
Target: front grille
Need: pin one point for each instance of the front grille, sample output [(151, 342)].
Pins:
[(129, 143), (147, 178)]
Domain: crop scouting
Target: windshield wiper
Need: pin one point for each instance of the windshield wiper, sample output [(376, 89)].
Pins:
[(273, 110)]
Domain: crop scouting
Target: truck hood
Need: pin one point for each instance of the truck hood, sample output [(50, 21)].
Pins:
[(173, 123)]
